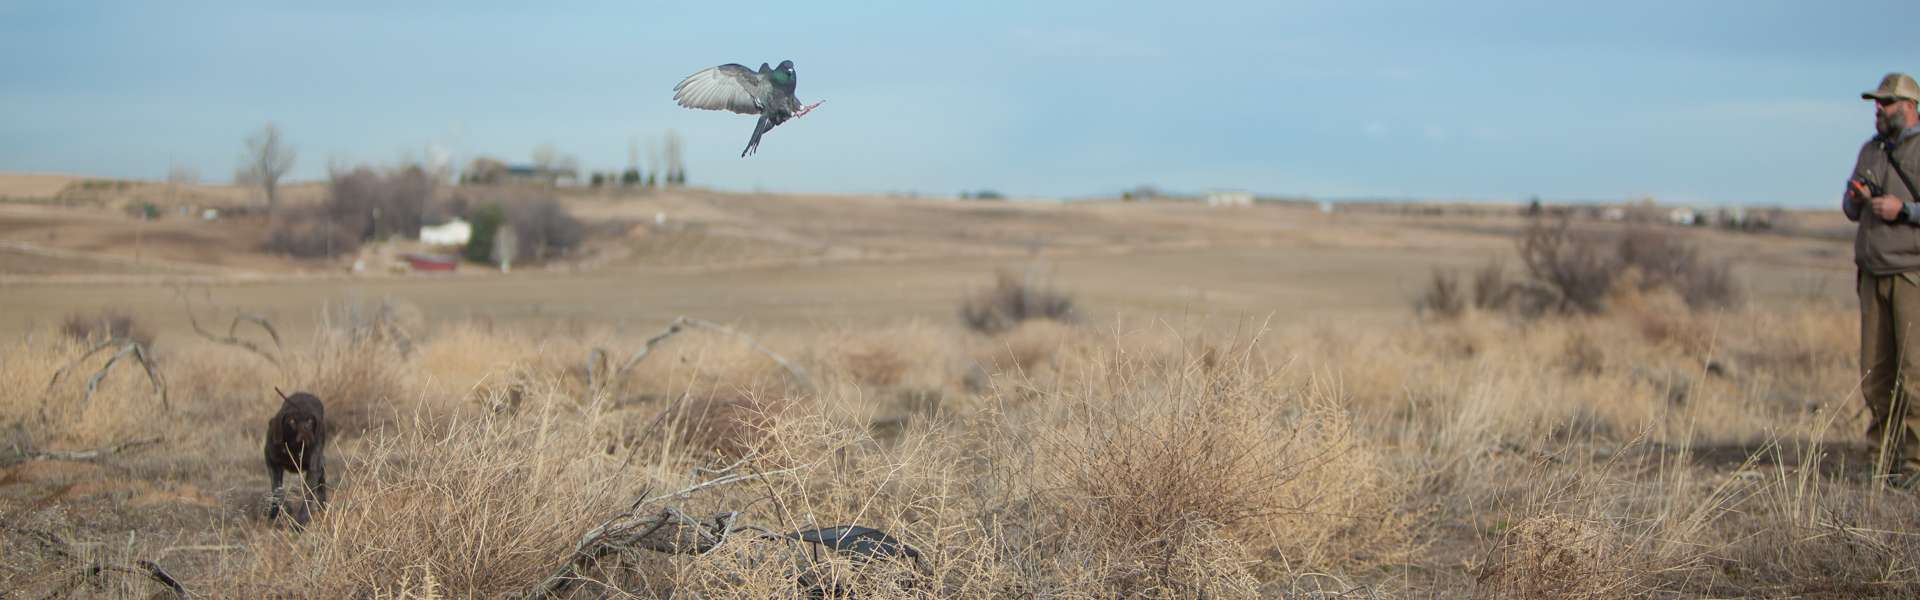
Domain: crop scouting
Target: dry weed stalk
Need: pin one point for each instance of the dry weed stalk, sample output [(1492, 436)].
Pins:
[(232, 338)]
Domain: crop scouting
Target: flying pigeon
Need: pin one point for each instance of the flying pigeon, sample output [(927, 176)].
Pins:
[(767, 92)]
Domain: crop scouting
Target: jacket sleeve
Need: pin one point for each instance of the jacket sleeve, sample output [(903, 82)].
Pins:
[(1860, 168)]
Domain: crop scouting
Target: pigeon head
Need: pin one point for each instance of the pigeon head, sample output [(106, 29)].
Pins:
[(783, 75)]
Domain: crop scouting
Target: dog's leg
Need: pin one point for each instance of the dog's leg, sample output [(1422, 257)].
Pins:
[(273, 493)]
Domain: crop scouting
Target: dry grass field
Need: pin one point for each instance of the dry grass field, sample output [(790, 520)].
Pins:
[(1243, 404)]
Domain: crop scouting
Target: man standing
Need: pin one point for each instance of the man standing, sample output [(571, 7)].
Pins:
[(1886, 248)]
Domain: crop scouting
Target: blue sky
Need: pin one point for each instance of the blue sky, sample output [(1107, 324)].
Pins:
[(1708, 102)]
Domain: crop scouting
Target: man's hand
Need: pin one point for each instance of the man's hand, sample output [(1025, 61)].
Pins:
[(1858, 192), (1887, 207)]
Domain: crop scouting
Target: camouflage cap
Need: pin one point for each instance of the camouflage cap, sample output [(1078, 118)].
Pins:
[(1895, 86)]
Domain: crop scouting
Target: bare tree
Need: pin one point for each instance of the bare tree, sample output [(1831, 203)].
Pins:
[(676, 170), (268, 159), (653, 162), (180, 174), (545, 156)]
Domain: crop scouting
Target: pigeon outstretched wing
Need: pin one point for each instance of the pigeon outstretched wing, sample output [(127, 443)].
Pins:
[(726, 87)]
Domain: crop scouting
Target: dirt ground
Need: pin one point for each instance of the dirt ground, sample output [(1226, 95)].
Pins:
[(805, 262)]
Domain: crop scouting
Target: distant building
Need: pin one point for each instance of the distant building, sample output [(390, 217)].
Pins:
[(536, 175), (1683, 216), (489, 171), (1230, 199), (452, 233)]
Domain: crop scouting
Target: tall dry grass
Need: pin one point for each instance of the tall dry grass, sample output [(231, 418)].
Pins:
[(1653, 450), (481, 506)]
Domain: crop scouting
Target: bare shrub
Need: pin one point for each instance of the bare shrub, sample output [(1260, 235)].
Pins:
[(105, 325), (1711, 284), (1577, 272), (1442, 298), (1574, 266), (387, 323), (1580, 355), (874, 364), (545, 228), (1168, 480), (363, 204), (308, 232), (363, 383), (728, 425), (1012, 300), (1663, 316), (1491, 289), (376, 205), (542, 226), (1664, 260)]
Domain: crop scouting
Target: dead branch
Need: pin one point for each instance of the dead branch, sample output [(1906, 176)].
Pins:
[(260, 321), (718, 482), (798, 373), (147, 568), (671, 330), (127, 347), (680, 324), (89, 454), (160, 575), (60, 549), (139, 353), (75, 362), (669, 531), (596, 362), (46, 540), (232, 338)]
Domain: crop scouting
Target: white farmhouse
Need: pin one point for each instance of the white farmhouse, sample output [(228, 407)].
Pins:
[(1230, 199), (453, 233)]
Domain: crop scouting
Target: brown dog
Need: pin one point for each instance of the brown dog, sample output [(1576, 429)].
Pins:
[(297, 441)]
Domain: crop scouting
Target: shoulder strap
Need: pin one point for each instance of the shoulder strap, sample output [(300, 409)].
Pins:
[(1911, 191)]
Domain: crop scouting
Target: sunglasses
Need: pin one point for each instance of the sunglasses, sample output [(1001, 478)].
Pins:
[(1888, 101)]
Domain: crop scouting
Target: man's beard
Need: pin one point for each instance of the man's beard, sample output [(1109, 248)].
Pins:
[(1891, 124)]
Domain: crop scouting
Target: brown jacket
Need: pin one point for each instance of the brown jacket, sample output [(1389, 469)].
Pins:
[(1883, 247)]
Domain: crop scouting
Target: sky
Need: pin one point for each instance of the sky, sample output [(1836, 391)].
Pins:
[(1752, 103)]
